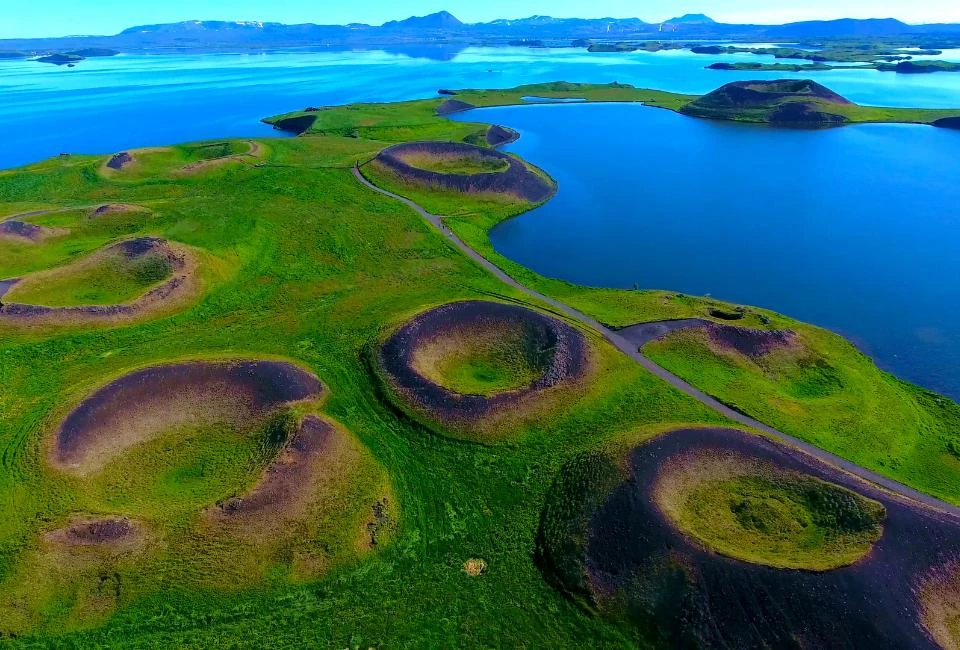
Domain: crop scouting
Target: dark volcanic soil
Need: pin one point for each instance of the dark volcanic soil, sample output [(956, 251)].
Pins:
[(568, 362), (785, 102), (289, 475), (690, 597), (517, 180), (120, 160), (145, 401), (751, 342), (5, 286), (133, 248), (95, 532), (452, 106), (644, 333), (948, 123), (497, 136), (22, 230)]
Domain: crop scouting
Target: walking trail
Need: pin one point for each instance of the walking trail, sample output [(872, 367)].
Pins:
[(631, 349)]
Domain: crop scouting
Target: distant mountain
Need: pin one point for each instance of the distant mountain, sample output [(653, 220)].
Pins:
[(692, 19), (843, 28), (441, 35), (198, 26), (439, 20)]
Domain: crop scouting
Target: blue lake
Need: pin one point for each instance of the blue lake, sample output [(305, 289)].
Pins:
[(105, 105), (855, 229)]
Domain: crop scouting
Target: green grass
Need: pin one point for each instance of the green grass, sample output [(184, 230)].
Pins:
[(872, 418), (457, 165), (320, 267), (481, 362), (774, 518), (110, 280), (828, 393), (85, 236)]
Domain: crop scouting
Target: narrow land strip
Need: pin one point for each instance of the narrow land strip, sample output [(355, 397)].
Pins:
[(630, 348)]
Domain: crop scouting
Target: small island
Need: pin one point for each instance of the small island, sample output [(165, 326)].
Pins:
[(74, 57)]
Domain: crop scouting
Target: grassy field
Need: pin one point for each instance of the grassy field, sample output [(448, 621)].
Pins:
[(313, 268), (319, 267)]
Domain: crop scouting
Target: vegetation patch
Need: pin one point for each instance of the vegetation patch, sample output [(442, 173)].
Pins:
[(466, 163), (465, 168), (754, 512), (132, 279), (465, 363), (686, 536), (138, 407), (115, 275), (818, 387)]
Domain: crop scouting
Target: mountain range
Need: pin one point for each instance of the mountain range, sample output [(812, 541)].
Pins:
[(443, 28)]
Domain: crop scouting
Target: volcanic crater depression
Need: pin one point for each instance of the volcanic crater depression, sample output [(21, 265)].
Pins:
[(465, 168), (465, 362), (132, 278), (720, 538), (143, 404)]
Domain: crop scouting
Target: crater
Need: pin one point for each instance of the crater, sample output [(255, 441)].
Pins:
[(124, 281), (753, 511), (465, 168), (719, 538), (143, 404), (467, 361)]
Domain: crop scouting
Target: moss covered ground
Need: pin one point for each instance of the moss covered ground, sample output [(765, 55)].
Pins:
[(481, 362), (762, 515)]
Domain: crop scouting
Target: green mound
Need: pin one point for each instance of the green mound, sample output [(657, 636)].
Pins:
[(783, 102), (112, 276), (757, 513), (480, 361)]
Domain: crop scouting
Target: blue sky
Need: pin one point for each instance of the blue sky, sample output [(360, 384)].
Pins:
[(20, 19)]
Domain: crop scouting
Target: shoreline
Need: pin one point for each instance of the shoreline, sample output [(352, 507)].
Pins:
[(846, 335), (625, 344)]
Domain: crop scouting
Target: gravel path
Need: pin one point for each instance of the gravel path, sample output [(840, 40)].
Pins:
[(622, 340)]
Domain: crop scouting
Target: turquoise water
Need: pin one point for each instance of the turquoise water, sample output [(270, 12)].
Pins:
[(854, 229), (106, 105)]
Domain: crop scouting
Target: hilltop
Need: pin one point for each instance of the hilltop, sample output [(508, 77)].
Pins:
[(783, 102)]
